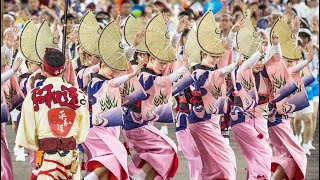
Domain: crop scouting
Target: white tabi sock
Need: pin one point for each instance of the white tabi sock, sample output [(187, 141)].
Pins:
[(91, 176), (310, 145), (140, 175), (227, 140)]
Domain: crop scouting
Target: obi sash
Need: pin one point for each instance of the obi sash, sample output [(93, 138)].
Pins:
[(158, 104), (282, 83), (213, 90), (106, 99)]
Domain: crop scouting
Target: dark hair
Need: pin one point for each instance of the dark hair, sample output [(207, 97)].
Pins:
[(253, 3), (26, 62), (125, 2), (102, 13), (295, 11), (54, 58), (303, 34), (237, 8), (188, 13), (304, 23), (69, 17), (185, 32)]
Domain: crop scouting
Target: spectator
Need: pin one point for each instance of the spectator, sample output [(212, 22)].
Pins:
[(237, 13), (113, 12), (125, 9), (33, 7), (8, 21), (190, 19)]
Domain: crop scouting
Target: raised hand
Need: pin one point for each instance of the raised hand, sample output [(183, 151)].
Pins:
[(56, 37), (136, 71), (11, 37), (295, 25), (165, 17), (264, 41), (17, 64), (238, 25), (139, 37), (182, 24), (240, 58), (310, 53), (274, 39), (117, 22), (315, 24)]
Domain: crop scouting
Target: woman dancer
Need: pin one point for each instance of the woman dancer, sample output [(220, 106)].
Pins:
[(252, 89), (208, 98), (156, 156), (102, 144)]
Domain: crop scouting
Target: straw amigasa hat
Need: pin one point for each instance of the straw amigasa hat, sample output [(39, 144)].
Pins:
[(28, 42), (208, 35), (89, 32), (111, 48), (131, 27), (192, 48), (158, 41), (44, 39), (289, 47), (247, 39)]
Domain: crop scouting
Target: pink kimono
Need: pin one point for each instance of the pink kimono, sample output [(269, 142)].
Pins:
[(152, 145), (11, 97), (102, 144), (209, 101), (248, 124), (286, 149), (184, 138)]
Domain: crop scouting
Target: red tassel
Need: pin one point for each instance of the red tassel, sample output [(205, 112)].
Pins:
[(33, 177), (127, 148), (260, 136), (83, 165), (177, 108)]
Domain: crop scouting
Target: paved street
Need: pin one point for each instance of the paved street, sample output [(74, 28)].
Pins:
[(22, 169)]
